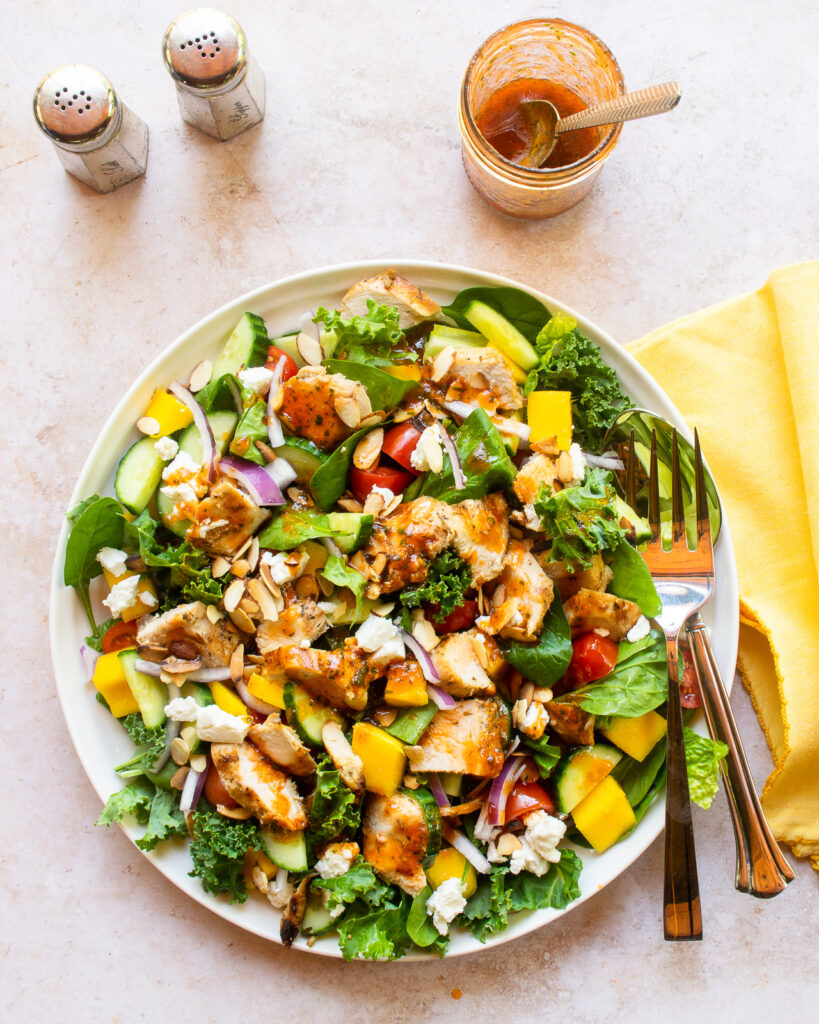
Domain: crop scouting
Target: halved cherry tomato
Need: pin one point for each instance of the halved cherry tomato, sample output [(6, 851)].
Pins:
[(593, 656), (119, 637), (399, 444), (689, 691), (215, 791), (459, 618), (362, 481), (274, 354), (527, 797)]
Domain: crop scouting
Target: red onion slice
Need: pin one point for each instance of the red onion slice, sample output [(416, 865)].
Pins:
[(501, 788), (258, 483), (253, 702), (307, 325), (201, 421), (89, 659), (192, 790), (455, 460), (172, 730), (282, 472), (606, 461), (440, 698), (148, 668), (437, 790), (274, 428), (422, 657), (503, 423), (210, 675), (467, 848)]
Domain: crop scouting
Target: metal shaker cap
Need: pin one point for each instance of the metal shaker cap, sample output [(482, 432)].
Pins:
[(75, 104), (204, 49)]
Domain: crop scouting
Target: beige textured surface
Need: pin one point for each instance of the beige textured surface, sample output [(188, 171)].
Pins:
[(358, 157)]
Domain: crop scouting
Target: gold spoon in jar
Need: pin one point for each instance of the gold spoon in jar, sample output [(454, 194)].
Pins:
[(544, 123)]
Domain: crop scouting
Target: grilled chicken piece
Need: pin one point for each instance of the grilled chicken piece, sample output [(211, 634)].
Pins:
[(522, 597), (282, 745), (340, 677), (225, 519), (293, 913), (597, 577), (301, 620), (254, 783), (459, 665), (395, 840), (480, 534), (187, 632), (323, 407), (468, 739), (349, 765), (589, 609), (571, 723), (484, 376), (403, 544), (390, 289), (537, 471)]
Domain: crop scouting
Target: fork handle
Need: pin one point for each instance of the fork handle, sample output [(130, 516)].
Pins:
[(762, 869), (682, 913)]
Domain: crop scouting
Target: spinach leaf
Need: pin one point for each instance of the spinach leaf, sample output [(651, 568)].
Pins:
[(632, 580), (337, 571), (545, 754), (218, 849), (557, 888), (487, 911), (544, 662), (419, 925), (655, 788), (375, 934), (97, 524), (522, 310), (702, 759), (95, 640), (224, 393), (448, 579), (360, 882), (250, 429), (165, 820), (637, 777), (638, 682), (411, 723), (484, 459), (335, 809), (130, 801), (384, 390), (294, 526), (329, 481), (364, 339)]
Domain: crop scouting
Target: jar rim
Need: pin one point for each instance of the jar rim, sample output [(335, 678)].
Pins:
[(538, 175)]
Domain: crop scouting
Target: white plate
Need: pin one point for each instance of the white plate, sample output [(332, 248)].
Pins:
[(101, 743)]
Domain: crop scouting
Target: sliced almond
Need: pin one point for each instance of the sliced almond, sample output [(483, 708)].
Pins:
[(148, 425), (499, 595), (236, 813), (240, 568), (213, 614), (392, 505), (199, 762), (411, 782), (379, 563), (480, 651), (265, 450), (442, 363), (365, 407), (542, 694), (350, 505), (309, 349), (325, 586), (253, 554), (179, 776), (180, 751), (242, 620), (233, 595), (262, 596), (168, 679), (247, 604), (294, 493), (358, 561), (219, 566), (243, 548), (373, 591), (376, 416), (374, 503), (565, 468), (368, 449), (307, 586), (152, 653), (478, 381), (237, 663), (527, 692), (383, 610), (259, 879), (188, 734), (272, 586), (507, 844), (200, 376), (178, 666), (348, 412), (424, 632)]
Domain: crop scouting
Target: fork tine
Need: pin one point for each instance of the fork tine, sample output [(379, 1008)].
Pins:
[(703, 518), (631, 475), (677, 508), (653, 490)]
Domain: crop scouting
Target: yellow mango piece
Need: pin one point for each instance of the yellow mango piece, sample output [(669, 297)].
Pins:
[(604, 815), (550, 415), (269, 690), (451, 863), (636, 736), (169, 413), (110, 680), (517, 371), (406, 686), (406, 372), (139, 607), (383, 758), (228, 701)]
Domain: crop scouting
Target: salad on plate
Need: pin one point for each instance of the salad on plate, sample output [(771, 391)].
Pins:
[(378, 625)]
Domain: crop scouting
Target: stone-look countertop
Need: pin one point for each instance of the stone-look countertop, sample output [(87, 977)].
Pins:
[(358, 158)]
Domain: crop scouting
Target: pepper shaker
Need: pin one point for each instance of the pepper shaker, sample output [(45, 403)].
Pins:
[(219, 86), (97, 138)]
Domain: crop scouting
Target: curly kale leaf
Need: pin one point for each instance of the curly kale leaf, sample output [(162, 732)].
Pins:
[(359, 882), (447, 582), (149, 741), (375, 934), (218, 851), (335, 809), (569, 361), (158, 808), (363, 339)]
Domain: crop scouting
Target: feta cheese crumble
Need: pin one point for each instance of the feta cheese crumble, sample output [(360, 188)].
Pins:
[(257, 378), (578, 464), (641, 628), (113, 560), (538, 849), (183, 467), (148, 599), (428, 455), (279, 890), (383, 492), (283, 567), (179, 493), (336, 860), (182, 709), (123, 595), (445, 904), (381, 638), (166, 448), (212, 723)]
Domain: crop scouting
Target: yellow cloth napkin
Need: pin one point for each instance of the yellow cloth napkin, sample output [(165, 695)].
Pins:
[(746, 373)]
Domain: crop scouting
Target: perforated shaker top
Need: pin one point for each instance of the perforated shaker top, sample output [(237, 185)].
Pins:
[(204, 48), (75, 104)]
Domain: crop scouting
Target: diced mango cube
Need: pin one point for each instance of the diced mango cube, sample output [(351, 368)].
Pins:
[(383, 758), (404, 372), (451, 863), (228, 701), (636, 736), (169, 413), (604, 815), (271, 691), (110, 680), (406, 686), (550, 415)]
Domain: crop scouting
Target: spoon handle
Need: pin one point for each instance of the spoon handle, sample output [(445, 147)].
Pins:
[(657, 99)]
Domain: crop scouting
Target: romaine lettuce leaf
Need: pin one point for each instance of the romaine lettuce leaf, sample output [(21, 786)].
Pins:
[(337, 571), (364, 339), (702, 759), (379, 934)]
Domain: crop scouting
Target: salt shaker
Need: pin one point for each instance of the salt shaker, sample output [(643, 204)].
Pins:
[(97, 138), (219, 86)]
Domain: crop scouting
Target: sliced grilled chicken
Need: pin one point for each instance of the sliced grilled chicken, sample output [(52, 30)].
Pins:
[(571, 722), (256, 784), (282, 745), (538, 471), (458, 664), (186, 631), (225, 519), (390, 289), (522, 597), (480, 534), (482, 375), (340, 677), (301, 621), (402, 545), (589, 609), (349, 765), (568, 583), (323, 407), (468, 739), (395, 840)]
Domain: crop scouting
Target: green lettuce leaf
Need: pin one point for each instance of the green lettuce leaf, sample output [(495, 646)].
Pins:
[(544, 662), (250, 429), (632, 580), (545, 754), (638, 682), (381, 934), (557, 888), (359, 883), (337, 571), (371, 338), (335, 809), (522, 310), (702, 759), (487, 910), (420, 927), (150, 744), (218, 849), (148, 804), (637, 777), (447, 582)]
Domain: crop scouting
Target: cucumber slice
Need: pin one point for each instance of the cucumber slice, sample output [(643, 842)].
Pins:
[(355, 528), (432, 817), (580, 771), (317, 919), (502, 334), (451, 783), (287, 343), (411, 723), (307, 715), (151, 695), (442, 337), (287, 850), (247, 346), (641, 528), (203, 697), (138, 475), (303, 456)]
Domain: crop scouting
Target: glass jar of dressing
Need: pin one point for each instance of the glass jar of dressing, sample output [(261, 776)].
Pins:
[(537, 59)]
